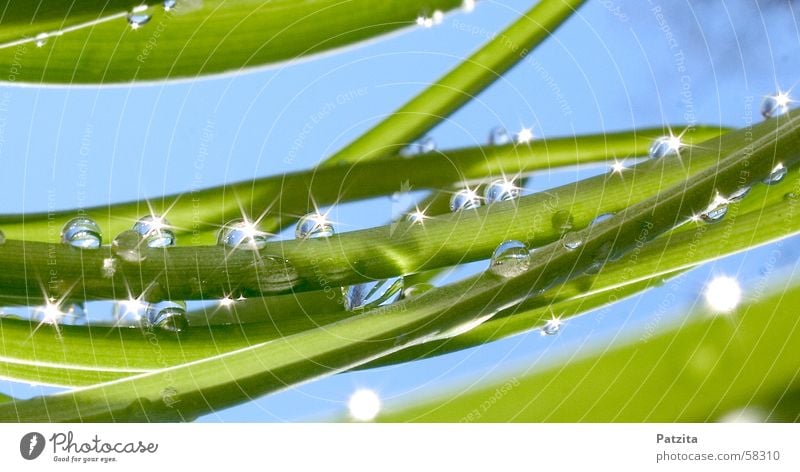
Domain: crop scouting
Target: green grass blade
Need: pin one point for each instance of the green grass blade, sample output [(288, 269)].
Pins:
[(695, 372), (184, 391), (92, 41), (461, 84), (765, 215), (284, 197)]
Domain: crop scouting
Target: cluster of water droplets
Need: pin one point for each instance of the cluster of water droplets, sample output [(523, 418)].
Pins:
[(150, 231)]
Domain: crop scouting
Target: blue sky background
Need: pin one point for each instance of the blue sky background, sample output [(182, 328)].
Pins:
[(611, 67)]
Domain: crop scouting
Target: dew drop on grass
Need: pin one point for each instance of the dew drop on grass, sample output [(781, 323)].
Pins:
[(155, 231), (500, 190), (242, 234), (372, 294), (137, 20), (423, 146), (510, 259), (738, 194), (775, 105), (416, 217), (464, 199), (572, 241), (275, 274), (716, 210), (601, 218), (314, 225), (170, 4), (416, 290), (777, 174), (128, 246), (168, 316), (551, 327), (562, 221), (498, 136), (82, 232), (109, 267), (41, 39), (663, 146)]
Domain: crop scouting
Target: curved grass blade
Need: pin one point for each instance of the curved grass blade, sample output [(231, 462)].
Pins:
[(376, 253), (283, 198), (461, 84)]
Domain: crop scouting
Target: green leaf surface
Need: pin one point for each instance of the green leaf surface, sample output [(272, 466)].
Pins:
[(700, 370), (92, 42), (184, 391)]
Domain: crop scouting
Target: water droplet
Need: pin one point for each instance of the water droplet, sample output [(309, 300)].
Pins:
[(572, 241), (664, 146), (170, 4), (738, 194), (524, 136), (156, 231), (510, 259), (417, 217), (130, 313), (464, 199), (498, 136), (128, 246), (501, 190), (168, 315), (777, 174), (551, 327), (459, 329), (791, 196), (314, 225), (109, 267), (468, 6), (425, 21), (438, 17), (275, 274), (82, 232), (775, 105), (240, 233), (716, 210), (41, 39), (601, 218), (137, 20), (372, 294), (600, 257), (416, 290), (423, 146), (562, 221)]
